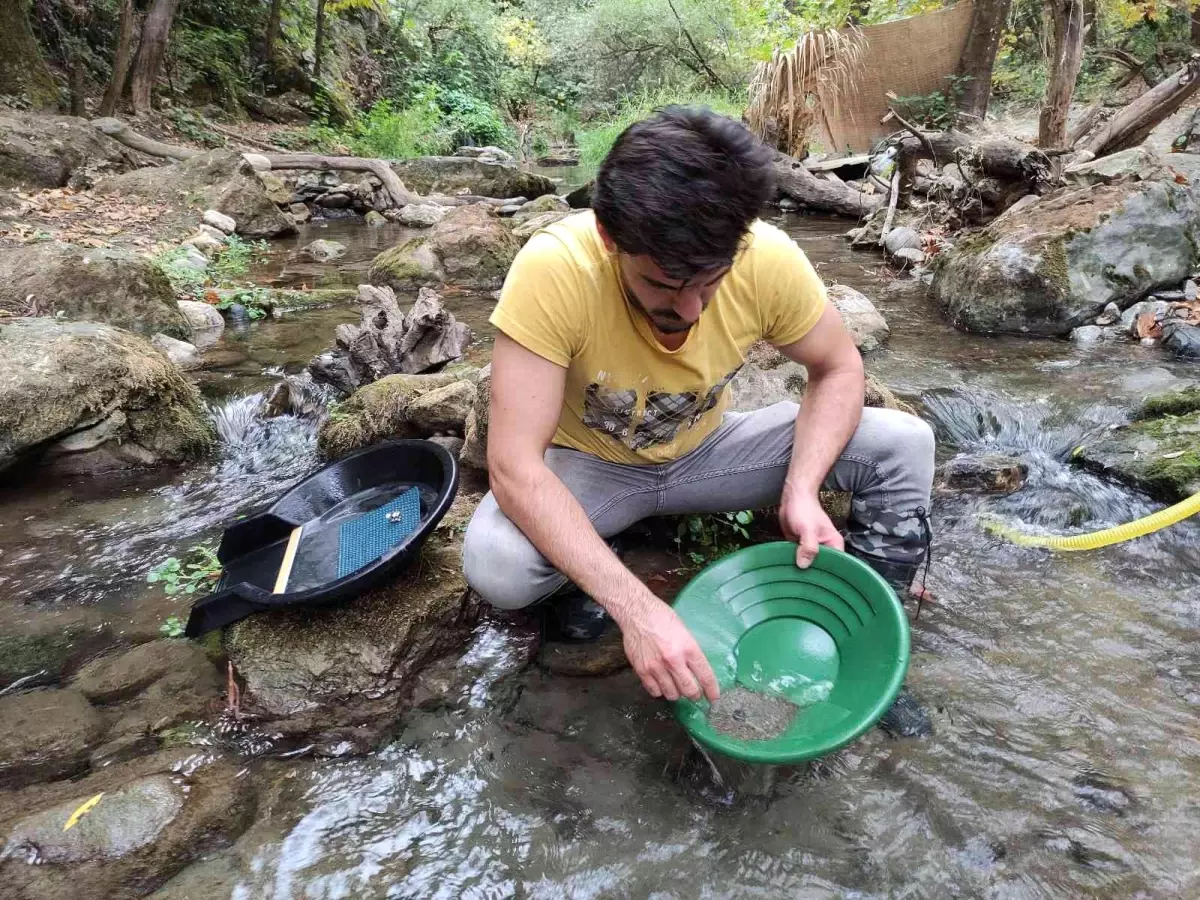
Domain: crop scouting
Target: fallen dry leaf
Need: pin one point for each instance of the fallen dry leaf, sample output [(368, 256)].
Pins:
[(1148, 326)]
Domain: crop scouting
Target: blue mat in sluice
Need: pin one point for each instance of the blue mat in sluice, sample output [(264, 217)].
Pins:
[(365, 538)]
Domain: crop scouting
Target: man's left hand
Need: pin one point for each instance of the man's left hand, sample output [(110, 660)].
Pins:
[(804, 521)]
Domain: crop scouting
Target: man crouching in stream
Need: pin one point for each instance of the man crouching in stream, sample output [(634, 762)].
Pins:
[(620, 330)]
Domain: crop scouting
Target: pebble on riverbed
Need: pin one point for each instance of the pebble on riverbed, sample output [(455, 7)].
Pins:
[(751, 716)]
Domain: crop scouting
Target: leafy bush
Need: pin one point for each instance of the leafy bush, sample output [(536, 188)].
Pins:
[(937, 109), (472, 121), (237, 257), (597, 139), (710, 537), (197, 572), (401, 133)]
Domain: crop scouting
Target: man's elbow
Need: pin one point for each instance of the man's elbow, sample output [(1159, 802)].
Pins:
[(510, 476)]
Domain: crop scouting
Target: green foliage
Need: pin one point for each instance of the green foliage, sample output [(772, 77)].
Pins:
[(400, 133), (172, 627), (256, 300), (937, 109), (212, 63), (197, 572), (184, 279), (470, 120), (235, 260), (710, 537), (597, 139)]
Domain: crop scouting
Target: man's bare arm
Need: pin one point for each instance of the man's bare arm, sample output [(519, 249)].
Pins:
[(827, 420), (527, 396)]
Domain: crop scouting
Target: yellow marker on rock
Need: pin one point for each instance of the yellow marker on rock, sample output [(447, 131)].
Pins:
[(84, 808)]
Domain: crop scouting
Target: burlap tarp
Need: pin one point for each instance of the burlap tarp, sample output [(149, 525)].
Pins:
[(908, 57)]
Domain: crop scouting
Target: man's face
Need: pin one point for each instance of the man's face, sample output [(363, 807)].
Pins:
[(672, 306)]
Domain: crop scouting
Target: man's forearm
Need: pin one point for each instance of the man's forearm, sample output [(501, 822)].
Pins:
[(830, 413), (548, 514)]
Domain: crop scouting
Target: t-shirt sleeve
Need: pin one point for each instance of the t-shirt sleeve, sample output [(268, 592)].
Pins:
[(541, 302), (792, 296)]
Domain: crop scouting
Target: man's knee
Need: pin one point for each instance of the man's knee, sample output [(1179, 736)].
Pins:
[(499, 562)]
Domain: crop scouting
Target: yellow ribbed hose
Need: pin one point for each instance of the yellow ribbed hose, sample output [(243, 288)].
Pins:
[(1115, 535)]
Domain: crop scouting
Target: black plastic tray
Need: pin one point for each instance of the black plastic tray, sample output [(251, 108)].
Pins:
[(252, 550)]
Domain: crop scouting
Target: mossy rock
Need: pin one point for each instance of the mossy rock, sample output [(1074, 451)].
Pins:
[(379, 410), (1175, 403), (1056, 265), (1159, 455), (94, 397), (471, 246)]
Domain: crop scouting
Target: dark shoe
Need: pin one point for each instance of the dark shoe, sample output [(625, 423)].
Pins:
[(906, 718), (576, 617)]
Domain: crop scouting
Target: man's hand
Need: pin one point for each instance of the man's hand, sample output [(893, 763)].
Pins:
[(802, 520), (665, 655)]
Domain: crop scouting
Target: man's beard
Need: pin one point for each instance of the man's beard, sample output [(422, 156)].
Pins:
[(666, 322)]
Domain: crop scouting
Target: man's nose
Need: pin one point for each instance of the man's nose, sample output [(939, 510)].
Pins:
[(689, 304)]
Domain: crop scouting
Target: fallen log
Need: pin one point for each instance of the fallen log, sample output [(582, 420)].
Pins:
[(396, 191), (1133, 124), (998, 157), (794, 180), (122, 133)]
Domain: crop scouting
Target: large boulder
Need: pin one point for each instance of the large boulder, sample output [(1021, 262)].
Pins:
[(39, 151), (332, 659), (1057, 265), (547, 203), (459, 175), (527, 228), (388, 341), (93, 397), (866, 325), (399, 406), (111, 286), (218, 180), (1159, 452), (474, 451), (471, 246)]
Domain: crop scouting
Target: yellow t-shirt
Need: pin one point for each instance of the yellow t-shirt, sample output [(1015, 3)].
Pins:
[(629, 399)]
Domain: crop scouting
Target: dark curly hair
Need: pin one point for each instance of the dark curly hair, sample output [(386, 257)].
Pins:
[(683, 187)]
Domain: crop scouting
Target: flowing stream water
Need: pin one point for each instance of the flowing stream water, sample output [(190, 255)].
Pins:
[(1064, 689)]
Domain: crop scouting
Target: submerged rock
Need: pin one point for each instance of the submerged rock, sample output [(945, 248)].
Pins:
[(1059, 263), (219, 180), (94, 397), (111, 286), (866, 325), (46, 735), (384, 409), (992, 473), (135, 825), (158, 684), (324, 251), (470, 246), (1182, 340), (456, 174)]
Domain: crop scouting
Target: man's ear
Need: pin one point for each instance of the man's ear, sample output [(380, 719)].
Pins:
[(609, 243)]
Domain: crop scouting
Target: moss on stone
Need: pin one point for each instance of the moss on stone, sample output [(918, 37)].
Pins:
[(1054, 266), (398, 268), (1175, 403), (374, 412), (1160, 455)]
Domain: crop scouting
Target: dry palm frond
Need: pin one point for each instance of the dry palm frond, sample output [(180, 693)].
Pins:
[(789, 92)]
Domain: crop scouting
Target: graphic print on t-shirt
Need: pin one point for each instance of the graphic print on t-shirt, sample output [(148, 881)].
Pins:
[(664, 413)]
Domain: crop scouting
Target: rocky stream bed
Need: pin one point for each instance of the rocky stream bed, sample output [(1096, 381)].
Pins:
[(411, 744)]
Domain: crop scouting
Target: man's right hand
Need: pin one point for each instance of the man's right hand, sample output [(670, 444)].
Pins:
[(665, 655)]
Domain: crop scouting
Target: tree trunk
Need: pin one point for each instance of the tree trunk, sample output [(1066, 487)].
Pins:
[(273, 29), (979, 55), (1196, 27), (1000, 158), (318, 43), (1131, 125), (23, 70), (155, 32), (1066, 57), (121, 60)]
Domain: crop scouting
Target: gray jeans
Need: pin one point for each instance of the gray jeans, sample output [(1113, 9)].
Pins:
[(887, 467)]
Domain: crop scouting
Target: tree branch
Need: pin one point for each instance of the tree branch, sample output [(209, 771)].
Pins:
[(699, 56)]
